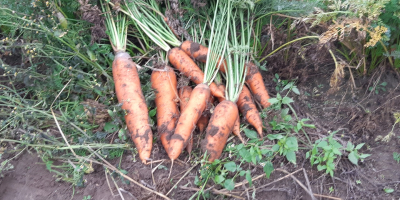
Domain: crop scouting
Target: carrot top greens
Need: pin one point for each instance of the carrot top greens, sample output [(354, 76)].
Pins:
[(116, 29), (238, 53)]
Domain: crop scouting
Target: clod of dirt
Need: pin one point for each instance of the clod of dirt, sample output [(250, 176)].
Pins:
[(96, 113), (92, 14)]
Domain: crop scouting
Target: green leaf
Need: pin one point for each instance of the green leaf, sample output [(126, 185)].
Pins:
[(268, 168), (276, 76), (274, 136), (241, 173), (291, 143), (273, 100), (291, 156), (322, 144), (122, 135), (248, 177), (196, 181), (153, 112), (287, 86), (362, 156), (110, 127), (336, 151), (287, 100), (278, 96), (284, 112), (229, 184), (230, 166), (250, 133), (275, 148), (321, 167), (359, 146), (219, 179), (353, 158), (388, 190), (296, 91), (307, 154), (245, 155), (383, 83), (350, 146)]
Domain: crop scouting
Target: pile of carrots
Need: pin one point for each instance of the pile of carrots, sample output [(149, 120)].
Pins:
[(181, 110)]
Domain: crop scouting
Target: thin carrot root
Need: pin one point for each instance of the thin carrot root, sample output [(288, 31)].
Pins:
[(236, 129), (129, 93), (220, 126), (249, 110), (184, 96), (256, 84)]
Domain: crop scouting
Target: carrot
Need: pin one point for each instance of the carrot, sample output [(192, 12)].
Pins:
[(249, 110), (187, 120), (129, 93), (205, 117), (164, 83), (184, 96), (236, 129), (256, 84), (188, 67), (222, 88), (219, 128), (199, 53)]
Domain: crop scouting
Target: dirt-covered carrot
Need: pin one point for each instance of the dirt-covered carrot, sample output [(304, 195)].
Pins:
[(222, 88), (187, 120), (129, 93), (205, 117), (256, 84), (127, 86), (188, 67), (219, 128), (226, 113), (199, 53), (249, 110), (236, 129), (184, 96), (164, 84)]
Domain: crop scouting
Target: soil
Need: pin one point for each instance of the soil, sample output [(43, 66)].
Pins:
[(361, 116)]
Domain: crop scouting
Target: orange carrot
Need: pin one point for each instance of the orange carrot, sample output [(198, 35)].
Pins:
[(256, 84), (199, 53), (236, 129), (164, 83), (129, 93), (205, 117), (249, 110), (222, 88), (188, 67), (184, 96), (188, 119), (219, 128)]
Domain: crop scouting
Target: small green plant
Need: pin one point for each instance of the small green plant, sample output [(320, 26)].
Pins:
[(324, 153), (331, 190), (280, 84), (87, 197), (381, 87), (354, 156), (286, 146), (388, 190), (326, 150), (396, 157)]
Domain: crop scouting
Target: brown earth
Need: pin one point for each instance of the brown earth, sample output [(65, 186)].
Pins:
[(360, 115)]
